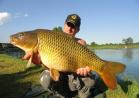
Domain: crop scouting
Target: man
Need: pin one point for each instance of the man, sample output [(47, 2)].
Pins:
[(69, 85)]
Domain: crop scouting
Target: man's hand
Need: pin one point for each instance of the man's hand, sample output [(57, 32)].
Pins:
[(35, 59), (83, 71)]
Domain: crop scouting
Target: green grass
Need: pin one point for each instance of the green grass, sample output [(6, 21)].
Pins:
[(114, 46), (16, 79), (125, 89)]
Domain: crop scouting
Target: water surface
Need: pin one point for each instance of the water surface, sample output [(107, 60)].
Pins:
[(130, 57)]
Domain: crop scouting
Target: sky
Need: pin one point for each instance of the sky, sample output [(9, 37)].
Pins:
[(102, 21)]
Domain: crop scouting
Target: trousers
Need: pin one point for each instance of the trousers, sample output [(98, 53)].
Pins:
[(69, 85)]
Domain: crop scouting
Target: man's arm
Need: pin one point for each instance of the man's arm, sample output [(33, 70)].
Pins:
[(35, 59), (82, 42)]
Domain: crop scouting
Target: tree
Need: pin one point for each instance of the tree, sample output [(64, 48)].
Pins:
[(124, 41), (57, 29), (93, 43), (128, 40)]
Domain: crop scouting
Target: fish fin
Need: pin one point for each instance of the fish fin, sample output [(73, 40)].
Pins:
[(29, 62), (116, 67), (109, 79), (109, 73), (54, 74)]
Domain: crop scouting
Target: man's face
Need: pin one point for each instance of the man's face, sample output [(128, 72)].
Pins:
[(70, 29)]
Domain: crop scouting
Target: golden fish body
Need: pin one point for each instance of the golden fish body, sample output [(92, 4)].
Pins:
[(60, 52)]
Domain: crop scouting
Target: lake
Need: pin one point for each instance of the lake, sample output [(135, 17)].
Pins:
[(130, 57)]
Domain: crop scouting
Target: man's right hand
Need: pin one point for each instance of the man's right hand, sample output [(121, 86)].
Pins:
[(35, 59), (83, 71)]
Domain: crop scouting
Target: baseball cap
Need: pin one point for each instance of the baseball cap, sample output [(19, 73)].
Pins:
[(73, 19)]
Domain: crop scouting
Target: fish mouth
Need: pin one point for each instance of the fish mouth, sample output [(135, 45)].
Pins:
[(12, 41)]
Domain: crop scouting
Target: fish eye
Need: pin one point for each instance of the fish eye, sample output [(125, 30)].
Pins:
[(21, 35)]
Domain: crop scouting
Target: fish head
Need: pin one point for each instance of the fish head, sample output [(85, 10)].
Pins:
[(24, 40)]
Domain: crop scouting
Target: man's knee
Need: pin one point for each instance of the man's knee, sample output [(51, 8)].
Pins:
[(45, 79), (81, 84), (85, 91)]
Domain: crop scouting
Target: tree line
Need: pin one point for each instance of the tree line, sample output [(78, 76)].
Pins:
[(126, 41)]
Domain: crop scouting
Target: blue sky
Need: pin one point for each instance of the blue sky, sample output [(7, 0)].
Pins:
[(103, 21)]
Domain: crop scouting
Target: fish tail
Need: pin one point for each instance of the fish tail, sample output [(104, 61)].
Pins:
[(109, 72)]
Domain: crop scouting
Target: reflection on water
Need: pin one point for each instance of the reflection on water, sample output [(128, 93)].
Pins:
[(127, 56), (17, 54), (128, 53)]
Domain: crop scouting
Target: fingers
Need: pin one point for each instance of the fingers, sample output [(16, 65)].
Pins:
[(88, 69), (26, 56), (35, 59), (83, 71)]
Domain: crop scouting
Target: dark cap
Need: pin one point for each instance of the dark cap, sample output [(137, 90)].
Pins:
[(74, 19)]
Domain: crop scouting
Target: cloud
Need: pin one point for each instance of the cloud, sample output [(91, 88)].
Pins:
[(20, 15), (26, 15), (4, 17)]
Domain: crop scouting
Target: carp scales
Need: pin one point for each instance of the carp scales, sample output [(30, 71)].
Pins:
[(62, 53)]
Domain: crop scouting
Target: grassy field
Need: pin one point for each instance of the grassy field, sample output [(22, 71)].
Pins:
[(16, 79)]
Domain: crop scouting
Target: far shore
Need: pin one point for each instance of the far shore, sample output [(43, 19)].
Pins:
[(113, 46)]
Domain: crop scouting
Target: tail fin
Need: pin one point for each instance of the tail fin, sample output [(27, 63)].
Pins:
[(109, 72)]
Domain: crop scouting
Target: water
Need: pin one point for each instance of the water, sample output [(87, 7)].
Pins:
[(130, 57), (17, 54)]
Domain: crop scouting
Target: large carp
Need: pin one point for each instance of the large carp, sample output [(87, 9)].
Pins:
[(60, 52)]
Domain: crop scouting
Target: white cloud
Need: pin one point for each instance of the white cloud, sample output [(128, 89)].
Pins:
[(25, 15), (20, 15), (4, 17)]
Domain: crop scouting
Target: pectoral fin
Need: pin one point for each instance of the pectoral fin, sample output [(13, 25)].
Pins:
[(54, 74), (29, 62)]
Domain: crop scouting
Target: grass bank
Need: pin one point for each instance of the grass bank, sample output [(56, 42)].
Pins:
[(16, 79), (114, 46), (126, 89)]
